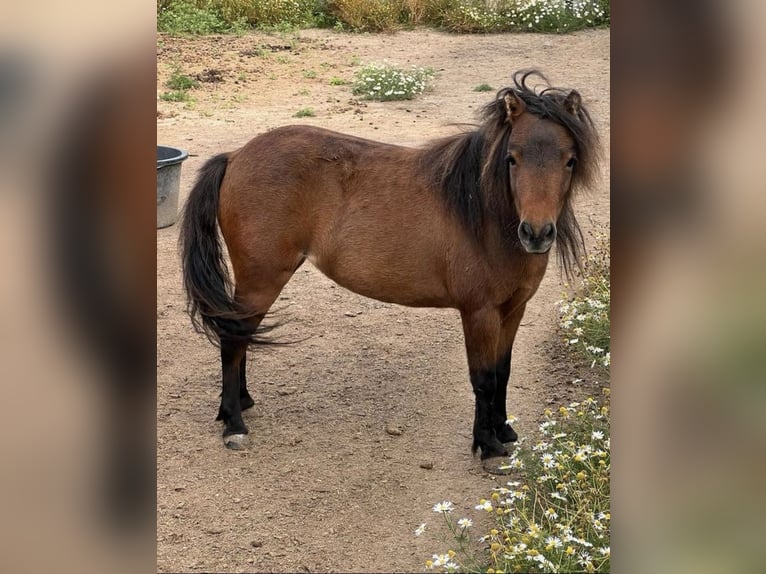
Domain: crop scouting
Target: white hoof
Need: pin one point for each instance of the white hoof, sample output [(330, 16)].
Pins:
[(235, 441)]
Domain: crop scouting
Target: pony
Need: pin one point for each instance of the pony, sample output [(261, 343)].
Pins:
[(464, 222)]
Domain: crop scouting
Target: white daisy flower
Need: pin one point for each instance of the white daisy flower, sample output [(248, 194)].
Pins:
[(445, 507)]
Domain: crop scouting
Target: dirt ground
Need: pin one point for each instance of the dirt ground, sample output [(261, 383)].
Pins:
[(344, 422)]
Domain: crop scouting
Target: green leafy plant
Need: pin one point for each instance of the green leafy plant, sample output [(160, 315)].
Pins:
[(388, 82), (180, 81), (304, 113), (483, 88), (188, 17), (335, 81), (179, 85)]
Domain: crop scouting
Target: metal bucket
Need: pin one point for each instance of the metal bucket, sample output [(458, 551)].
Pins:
[(168, 183)]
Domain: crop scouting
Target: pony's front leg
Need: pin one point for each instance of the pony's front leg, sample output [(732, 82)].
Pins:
[(482, 330), (505, 432)]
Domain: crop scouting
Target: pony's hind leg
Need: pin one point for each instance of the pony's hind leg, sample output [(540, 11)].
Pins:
[(230, 411), (257, 296), (245, 400)]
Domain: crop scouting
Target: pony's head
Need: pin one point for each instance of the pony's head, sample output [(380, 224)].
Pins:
[(521, 167), (541, 158), (543, 146)]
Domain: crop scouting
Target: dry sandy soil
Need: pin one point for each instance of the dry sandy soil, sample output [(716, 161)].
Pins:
[(344, 422)]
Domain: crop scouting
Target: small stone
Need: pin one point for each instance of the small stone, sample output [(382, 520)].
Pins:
[(393, 431), (256, 543), (286, 391), (349, 314), (214, 530), (428, 465)]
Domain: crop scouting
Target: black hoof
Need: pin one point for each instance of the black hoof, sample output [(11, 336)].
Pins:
[(494, 449)]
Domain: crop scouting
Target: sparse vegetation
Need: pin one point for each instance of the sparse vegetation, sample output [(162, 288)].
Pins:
[(335, 81), (483, 88), (304, 113), (176, 96), (180, 81), (179, 84)]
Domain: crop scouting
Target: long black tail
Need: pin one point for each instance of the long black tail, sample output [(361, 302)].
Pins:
[(210, 303)]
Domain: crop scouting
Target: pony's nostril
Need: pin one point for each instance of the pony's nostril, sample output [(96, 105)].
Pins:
[(525, 231), (548, 232)]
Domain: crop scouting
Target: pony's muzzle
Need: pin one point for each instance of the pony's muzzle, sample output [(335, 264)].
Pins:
[(537, 240)]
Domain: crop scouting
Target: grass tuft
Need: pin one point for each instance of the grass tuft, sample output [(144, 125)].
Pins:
[(304, 113)]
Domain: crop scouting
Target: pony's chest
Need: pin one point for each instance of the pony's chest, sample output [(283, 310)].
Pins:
[(520, 283)]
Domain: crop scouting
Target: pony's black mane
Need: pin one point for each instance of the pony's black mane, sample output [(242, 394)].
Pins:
[(471, 172)]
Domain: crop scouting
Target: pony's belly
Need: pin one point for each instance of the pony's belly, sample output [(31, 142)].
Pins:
[(386, 282)]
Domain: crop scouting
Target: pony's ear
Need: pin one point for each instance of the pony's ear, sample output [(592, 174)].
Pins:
[(573, 102), (514, 106)]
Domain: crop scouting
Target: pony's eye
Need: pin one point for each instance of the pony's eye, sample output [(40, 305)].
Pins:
[(571, 163), (510, 159)]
